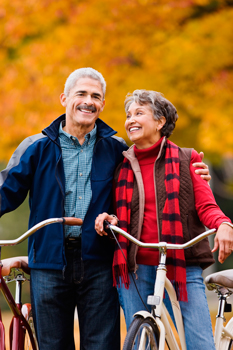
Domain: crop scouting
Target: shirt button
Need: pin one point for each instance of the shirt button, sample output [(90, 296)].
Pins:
[(80, 197), (81, 150), (81, 174)]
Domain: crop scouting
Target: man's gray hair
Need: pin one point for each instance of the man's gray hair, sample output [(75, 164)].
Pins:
[(159, 105), (84, 73)]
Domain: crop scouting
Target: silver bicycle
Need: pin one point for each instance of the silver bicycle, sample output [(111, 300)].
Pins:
[(153, 330)]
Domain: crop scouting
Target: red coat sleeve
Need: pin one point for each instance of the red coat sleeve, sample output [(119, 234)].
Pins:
[(208, 211)]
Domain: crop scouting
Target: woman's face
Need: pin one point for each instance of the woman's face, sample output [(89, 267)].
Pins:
[(141, 127)]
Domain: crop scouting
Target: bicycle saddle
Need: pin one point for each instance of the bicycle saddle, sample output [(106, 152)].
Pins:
[(221, 278), (19, 262)]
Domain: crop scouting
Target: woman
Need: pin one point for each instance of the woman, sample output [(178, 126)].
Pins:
[(159, 197)]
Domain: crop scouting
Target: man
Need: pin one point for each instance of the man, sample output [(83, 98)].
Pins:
[(68, 171)]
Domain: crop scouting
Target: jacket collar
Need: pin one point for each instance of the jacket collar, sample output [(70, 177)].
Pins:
[(52, 131)]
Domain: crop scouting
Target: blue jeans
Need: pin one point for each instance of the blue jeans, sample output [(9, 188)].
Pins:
[(195, 312), (87, 285)]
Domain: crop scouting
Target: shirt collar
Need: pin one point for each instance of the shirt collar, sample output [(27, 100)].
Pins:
[(91, 136)]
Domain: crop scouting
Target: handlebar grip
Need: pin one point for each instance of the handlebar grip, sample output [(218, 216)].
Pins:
[(72, 221), (106, 227), (106, 224)]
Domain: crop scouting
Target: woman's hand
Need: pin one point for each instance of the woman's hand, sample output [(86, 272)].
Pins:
[(204, 172), (223, 241), (100, 220)]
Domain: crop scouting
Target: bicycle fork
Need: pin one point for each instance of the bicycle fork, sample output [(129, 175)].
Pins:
[(159, 315)]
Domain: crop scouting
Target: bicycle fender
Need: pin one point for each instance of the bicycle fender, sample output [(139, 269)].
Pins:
[(145, 314), (157, 321)]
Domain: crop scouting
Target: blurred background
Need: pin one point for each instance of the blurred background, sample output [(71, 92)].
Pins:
[(182, 48)]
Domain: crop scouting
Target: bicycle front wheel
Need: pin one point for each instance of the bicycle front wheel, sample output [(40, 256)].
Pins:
[(143, 334), (30, 342)]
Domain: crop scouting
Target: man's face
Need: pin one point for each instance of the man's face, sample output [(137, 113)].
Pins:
[(83, 104)]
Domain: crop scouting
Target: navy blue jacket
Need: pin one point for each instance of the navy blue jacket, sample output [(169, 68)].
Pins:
[(37, 167)]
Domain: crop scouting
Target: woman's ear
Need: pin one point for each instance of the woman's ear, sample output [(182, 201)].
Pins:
[(161, 123)]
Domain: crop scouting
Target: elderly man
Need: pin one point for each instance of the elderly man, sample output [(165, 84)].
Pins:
[(68, 171)]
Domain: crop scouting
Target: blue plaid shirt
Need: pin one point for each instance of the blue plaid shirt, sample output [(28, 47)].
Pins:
[(77, 160)]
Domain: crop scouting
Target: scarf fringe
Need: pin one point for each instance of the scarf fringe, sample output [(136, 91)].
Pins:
[(121, 276), (181, 291)]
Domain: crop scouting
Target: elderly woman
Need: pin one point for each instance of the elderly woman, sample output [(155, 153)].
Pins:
[(159, 197)]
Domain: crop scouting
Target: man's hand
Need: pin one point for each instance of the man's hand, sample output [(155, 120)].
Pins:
[(224, 242), (99, 223), (204, 172)]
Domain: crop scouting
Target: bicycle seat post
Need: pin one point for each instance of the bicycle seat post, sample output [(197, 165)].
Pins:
[(18, 289), (221, 307)]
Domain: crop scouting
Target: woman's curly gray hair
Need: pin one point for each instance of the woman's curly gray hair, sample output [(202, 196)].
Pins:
[(159, 105)]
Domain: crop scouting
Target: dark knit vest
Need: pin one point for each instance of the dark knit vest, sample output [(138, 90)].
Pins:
[(200, 253)]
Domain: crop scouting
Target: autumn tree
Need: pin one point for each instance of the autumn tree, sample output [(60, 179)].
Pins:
[(182, 48)]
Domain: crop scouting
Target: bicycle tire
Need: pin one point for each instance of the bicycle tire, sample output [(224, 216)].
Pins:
[(134, 335), (27, 340), (2, 334), (230, 345)]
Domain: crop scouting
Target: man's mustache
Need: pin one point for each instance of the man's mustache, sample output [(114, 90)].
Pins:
[(88, 108)]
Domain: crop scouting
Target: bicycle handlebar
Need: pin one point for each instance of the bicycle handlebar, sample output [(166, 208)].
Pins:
[(71, 221), (160, 245)]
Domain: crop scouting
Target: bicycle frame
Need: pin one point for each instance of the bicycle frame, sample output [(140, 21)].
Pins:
[(158, 314), (221, 332)]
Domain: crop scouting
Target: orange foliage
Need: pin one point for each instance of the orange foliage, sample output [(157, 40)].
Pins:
[(182, 48)]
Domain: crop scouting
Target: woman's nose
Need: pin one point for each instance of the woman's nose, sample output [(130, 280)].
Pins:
[(131, 120)]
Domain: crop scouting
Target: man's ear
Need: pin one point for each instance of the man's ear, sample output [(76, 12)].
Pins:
[(63, 99), (103, 104)]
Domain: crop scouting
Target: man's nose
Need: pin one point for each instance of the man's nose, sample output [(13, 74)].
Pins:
[(88, 100)]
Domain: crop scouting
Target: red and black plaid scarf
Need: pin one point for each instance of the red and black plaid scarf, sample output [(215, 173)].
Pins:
[(172, 231)]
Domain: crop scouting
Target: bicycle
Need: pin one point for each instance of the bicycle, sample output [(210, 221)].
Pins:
[(151, 330), (21, 332), (222, 283)]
